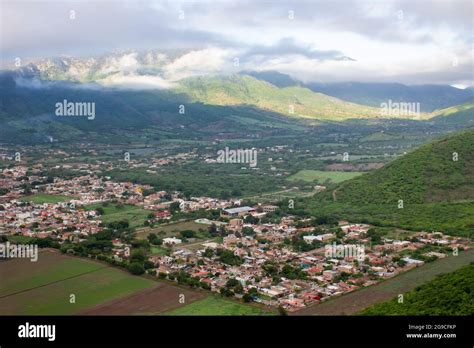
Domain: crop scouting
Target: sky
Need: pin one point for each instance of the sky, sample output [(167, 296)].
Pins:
[(406, 41)]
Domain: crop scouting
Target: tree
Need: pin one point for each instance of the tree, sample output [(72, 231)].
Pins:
[(247, 297), (208, 253), (228, 257), (187, 234), (248, 231), (136, 268), (174, 207), (154, 239), (213, 230), (239, 289), (251, 219), (148, 264), (232, 282), (226, 292), (282, 311), (137, 256)]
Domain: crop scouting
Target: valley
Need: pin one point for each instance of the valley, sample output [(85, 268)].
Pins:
[(144, 187)]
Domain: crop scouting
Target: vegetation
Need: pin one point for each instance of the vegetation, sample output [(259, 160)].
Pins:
[(136, 216), (427, 189), (54, 278), (323, 176), (447, 294), (41, 198), (441, 171), (247, 90), (217, 306)]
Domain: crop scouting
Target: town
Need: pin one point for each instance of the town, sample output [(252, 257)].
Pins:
[(247, 251)]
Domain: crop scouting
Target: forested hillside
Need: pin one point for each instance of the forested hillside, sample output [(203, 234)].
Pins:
[(448, 294)]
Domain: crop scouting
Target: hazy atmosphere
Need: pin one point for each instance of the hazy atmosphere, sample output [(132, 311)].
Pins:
[(318, 41)]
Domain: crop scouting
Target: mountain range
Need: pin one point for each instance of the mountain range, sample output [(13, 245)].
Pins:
[(430, 97), (134, 90)]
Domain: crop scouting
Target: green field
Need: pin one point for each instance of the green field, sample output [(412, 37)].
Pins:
[(154, 250), (172, 229), (45, 287), (323, 176), (136, 216), (213, 305), (41, 198)]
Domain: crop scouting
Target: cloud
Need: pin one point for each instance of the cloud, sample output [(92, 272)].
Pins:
[(126, 64), (138, 82), (211, 60), (289, 47), (331, 39)]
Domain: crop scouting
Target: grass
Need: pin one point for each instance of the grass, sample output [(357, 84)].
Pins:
[(45, 287), (323, 176), (213, 305), (172, 229), (41, 198), (136, 216), (61, 270), (156, 250)]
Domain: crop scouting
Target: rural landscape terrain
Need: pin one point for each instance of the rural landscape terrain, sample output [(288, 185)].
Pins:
[(240, 178)]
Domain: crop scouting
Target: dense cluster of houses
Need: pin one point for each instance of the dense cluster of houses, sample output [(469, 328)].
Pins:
[(268, 266), (321, 275)]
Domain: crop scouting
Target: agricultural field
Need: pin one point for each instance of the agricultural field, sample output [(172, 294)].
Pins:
[(213, 305), (162, 298), (356, 301), (172, 229), (136, 216), (41, 198), (44, 287), (322, 176)]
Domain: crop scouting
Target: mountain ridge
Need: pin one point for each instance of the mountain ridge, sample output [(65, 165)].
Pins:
[(439, 171)]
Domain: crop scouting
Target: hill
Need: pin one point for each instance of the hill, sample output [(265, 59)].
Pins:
[(426, 175), (448, 294), (458, 114), (237, 106), (27, 115), (437, 191), (430, 97), (292, 101)]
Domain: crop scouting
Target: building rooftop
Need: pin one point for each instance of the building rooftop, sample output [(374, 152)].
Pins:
[(238, 210)]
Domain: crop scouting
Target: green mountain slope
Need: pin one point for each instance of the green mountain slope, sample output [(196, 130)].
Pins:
[(458, 114), (426, 175), (293, 101), (27, 115), (437, 192), (448, 294)]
